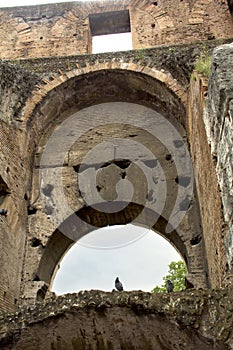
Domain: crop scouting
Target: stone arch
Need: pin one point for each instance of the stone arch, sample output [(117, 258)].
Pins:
[(59, 243), (59, 98), (44, 90)]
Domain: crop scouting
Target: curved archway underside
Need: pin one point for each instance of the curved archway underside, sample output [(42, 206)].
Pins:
[(126, 97)]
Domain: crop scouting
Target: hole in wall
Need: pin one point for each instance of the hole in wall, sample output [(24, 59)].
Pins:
[(98, 187), (48, 209), (183, 181), (32, 211), (4, 191), (110, 31), (185, 204), (188, 284), (35, 242), (123, 164), (123, 175), (178, 143), (151, 163), (196, 240), (41, 293), (47, 190), (168, 157), (150, 196)]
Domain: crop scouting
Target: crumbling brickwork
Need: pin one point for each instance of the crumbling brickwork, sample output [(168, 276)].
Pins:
[(38, 94), (64, 29)]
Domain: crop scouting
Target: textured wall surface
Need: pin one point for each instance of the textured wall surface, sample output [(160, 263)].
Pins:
[(12, 228), (64, 29), (219, 125), (206, 182), (39, 94), (127, 320)]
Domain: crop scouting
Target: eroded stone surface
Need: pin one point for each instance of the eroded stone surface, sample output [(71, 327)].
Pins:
[(37, 31), (100, 320), (219, 125)]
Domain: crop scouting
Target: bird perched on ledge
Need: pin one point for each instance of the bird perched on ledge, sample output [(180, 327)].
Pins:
[(118, 284), (3, 212), (169, 286)]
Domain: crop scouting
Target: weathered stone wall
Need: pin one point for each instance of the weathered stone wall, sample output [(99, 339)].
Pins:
[(63, 29), (38, 94), (16, 85), (127, 320), (12, 228), (219, 126), (50, 88), (15, 88), (206, 182)]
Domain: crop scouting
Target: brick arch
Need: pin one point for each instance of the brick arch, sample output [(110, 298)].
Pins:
[(187, 238), (59, 243), (41, 117), (42, 92)]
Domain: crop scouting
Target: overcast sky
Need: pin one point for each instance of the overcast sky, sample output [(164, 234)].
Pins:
[(137, 256), (8, 3)]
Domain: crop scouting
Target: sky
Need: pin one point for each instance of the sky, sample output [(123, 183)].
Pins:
[(139, 257), (100, 43), (9, 3)]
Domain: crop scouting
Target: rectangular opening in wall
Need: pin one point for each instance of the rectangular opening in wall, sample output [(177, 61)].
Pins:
[(110, 31)]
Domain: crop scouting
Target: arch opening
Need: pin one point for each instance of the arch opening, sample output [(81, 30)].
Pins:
[(54, 244), (138, 255), (59, 243)]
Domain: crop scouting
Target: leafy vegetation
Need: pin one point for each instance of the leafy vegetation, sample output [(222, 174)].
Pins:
[(202, 65), (176, 273), (140, 54)]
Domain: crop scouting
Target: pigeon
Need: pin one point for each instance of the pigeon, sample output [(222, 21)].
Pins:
[(118, 285), (3, 212), (169, 286)]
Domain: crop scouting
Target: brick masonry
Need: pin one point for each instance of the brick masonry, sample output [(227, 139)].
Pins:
[(63, 29), (39, 93)]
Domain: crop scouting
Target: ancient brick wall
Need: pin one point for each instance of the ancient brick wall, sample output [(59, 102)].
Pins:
[(41, 93), (206, 182), (126, 320), (64, 29), (13, 226), (219, 125), (15, 87)]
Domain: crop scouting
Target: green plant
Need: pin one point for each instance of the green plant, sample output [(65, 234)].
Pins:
[(140, 54), (202, 65), (176, 273)]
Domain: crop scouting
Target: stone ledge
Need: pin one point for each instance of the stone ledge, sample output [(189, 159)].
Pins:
[(201, 313)]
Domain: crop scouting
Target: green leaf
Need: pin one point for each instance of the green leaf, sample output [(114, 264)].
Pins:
[(176, 273)]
